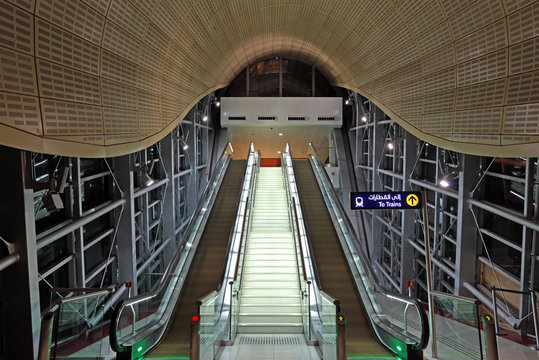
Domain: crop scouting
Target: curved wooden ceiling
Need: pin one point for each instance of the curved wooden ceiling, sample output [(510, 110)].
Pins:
[(100, 78)]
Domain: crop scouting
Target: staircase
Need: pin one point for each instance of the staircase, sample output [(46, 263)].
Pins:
[(270, 297)]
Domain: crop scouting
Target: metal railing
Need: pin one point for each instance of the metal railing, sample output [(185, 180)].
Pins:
[(457, 317), (381, 306), (532, 297), (67, 327)]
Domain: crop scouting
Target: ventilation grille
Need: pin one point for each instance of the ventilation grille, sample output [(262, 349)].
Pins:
[(269, 340), (236, 118), (296, 118), (326, 118), (273, 118)]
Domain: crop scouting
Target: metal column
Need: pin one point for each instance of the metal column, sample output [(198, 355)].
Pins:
[(127, 255), (20, 290)]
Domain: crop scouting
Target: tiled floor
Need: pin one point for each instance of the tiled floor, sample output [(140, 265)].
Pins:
[(269, 347), (273, 347), (293, 347)]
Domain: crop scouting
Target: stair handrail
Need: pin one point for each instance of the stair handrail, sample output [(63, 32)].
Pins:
[(201, 213), (302, 255), (343, 225)]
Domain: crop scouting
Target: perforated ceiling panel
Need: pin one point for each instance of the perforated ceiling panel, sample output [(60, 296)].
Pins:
[(107, 77)]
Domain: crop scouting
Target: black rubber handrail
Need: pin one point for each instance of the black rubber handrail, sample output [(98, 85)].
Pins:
[(313, 261), (299, 238)]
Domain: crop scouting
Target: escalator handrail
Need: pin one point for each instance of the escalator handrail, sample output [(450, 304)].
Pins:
[(255, 185), (311, 253), (231, 235), (299, 240), (113, 339), (377, 287)]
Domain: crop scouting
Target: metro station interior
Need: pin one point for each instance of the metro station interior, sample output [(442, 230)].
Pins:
[(177, 179)]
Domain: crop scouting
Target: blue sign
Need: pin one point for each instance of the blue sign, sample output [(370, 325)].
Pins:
[(385, 200)]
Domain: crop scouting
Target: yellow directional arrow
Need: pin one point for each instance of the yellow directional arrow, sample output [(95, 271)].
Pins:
[(412, 200)]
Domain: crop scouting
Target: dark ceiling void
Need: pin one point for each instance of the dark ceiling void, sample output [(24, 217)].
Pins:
[(297, 80)]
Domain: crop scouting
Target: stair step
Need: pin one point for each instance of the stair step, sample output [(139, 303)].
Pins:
[(271, 308), (271, 257), (254, 276), (274, 300), (274, 319), (270, 263), (273, 286), (296, 328), (274, 291), (274, 270), (270, 247)]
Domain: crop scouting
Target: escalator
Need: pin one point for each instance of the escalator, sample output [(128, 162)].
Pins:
[(157, 325), (206, 269), (333, 271)]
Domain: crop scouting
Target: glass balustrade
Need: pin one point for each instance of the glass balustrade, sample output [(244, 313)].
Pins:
[(73, 335)]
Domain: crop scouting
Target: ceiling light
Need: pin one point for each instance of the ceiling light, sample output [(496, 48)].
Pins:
[(278, 152), (280, 134), (347, 102), (390, 145), (364, 118), (147, 179), (205, 118), (445, 181), (218, 103), (184, 145)]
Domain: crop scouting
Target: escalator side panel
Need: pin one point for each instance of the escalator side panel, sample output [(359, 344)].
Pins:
[(335, 276), (205, 272)]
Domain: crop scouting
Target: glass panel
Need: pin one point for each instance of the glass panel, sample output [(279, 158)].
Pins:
[(264, 78), (456, 325), (75, 337), (207, 325), (329, 328)]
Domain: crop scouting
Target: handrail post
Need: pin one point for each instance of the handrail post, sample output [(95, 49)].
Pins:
[(310, 320), (194, 338), (406, 310), (129, 286), (535, 320), (428, 268), (493, 291), (341, 336), (45, 337), (491, 345), (231, 283)]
